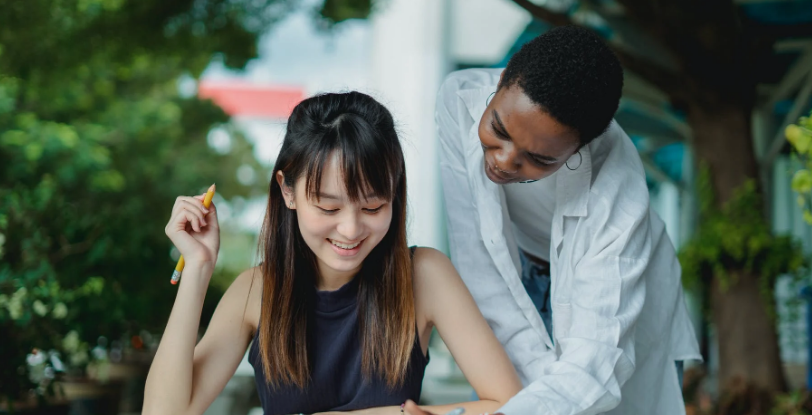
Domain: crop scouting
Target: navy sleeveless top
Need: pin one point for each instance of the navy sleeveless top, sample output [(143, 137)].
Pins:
[(336, 381)]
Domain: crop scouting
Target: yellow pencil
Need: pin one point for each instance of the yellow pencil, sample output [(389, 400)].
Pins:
[(181, 262)]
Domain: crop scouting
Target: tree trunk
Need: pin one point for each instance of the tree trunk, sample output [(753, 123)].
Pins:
[(748, 341)]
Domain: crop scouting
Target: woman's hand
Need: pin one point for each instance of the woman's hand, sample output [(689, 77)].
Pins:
[(194, 230), (411, 408)]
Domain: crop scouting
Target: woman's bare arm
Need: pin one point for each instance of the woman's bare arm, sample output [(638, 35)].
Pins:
[(186, 378)]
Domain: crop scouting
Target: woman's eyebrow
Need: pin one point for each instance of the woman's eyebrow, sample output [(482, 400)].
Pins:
[(330, 196)]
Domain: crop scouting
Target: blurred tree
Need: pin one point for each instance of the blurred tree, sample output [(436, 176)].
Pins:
[(96, 141)]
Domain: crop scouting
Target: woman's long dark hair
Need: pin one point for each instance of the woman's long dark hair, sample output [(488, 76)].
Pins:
[(362, 133)]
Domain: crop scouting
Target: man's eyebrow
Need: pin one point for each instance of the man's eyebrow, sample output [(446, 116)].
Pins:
[(543, 157), (505, 133)]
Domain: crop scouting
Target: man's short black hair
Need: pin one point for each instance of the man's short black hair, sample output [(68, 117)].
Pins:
[(572, 75)]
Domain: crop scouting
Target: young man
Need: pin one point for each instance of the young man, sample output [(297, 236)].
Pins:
[(550, 227)]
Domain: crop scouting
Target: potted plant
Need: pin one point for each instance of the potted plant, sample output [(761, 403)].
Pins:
[(34, 314)]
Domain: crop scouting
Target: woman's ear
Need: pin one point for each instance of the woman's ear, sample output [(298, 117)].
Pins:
[(287, 192)]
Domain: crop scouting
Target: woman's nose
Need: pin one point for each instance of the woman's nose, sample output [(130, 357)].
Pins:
[(350, 227)]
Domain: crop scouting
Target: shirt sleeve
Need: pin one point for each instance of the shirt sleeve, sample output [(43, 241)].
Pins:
[(596, 328), (469, 254)]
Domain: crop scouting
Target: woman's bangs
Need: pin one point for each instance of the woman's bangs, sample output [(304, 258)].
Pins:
[(369, 168)]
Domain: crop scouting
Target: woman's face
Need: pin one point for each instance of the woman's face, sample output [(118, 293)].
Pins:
[(522, 142), (339, 232)]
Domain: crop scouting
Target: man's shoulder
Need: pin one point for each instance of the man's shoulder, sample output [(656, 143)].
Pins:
[(473, 78), (618, 187)]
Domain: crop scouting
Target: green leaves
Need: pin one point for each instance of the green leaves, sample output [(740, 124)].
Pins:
[(800, 137), (802, 181), (736, 236)]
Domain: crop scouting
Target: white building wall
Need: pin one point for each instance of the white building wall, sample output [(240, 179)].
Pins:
[(409, 61)]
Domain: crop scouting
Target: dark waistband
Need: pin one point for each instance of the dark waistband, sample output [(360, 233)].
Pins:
[(536, 260)]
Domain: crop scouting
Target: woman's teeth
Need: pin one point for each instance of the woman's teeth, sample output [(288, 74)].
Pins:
[(344, 246)]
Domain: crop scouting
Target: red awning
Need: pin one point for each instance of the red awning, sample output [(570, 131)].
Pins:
[(238, 98)]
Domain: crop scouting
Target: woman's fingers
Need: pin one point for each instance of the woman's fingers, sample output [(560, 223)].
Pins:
[(195, 209), (191, 204), (187, 217)]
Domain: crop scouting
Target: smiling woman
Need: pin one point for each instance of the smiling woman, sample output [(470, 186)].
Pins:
[(339, 313)]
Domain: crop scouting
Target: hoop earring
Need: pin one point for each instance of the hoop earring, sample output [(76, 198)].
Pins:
[(580, 157), (488, 99), (528, 181)]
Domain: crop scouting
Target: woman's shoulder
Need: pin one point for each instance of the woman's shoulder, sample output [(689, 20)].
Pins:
[(246, 291), (424, 256), (437, 285), (431, 267), (248, 279)]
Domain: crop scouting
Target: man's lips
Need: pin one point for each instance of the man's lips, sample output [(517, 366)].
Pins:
[(494, 172)]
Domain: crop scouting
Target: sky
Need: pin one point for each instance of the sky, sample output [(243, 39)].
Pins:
[(293, 53)]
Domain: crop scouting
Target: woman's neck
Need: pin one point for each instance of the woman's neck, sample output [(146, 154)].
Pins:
[(331, 280)]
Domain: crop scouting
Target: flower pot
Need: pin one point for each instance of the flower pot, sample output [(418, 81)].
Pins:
[(32, 408), (132, 376), (88, 397)]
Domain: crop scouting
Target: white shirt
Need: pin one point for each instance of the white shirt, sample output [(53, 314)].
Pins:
[(619, 317), (531, 209)]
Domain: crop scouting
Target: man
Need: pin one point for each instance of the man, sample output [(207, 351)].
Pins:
[(550, 227)]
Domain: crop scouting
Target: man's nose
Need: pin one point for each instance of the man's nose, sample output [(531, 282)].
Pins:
[(506, 158)]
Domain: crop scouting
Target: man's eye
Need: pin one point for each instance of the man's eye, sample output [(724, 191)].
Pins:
[(541, 163), (499, 133)]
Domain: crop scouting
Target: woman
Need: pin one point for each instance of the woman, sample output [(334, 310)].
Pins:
[(550, 228), (339, 311)]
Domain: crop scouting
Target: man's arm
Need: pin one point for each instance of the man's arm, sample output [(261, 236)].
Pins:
[(469, 255), (597, 334)]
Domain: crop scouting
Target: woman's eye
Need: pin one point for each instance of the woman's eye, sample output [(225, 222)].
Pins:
[(327, 210), (374, 210)]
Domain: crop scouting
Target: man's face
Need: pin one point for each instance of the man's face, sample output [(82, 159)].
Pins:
[(522, 142)]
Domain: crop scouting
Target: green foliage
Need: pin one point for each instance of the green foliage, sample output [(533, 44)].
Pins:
[(800, 136), (737, 237), (336, 11), (95, 144), (794, 403)]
